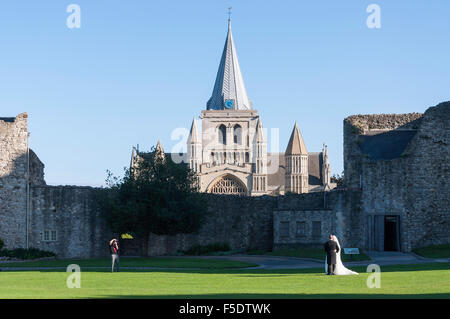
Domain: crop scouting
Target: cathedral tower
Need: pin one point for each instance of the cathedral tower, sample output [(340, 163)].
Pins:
[(224, 154), (229, 153), (296, 164)]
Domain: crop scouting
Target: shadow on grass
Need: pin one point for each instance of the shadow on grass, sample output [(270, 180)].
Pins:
[(175, 263), (288, 296), (246, 271)]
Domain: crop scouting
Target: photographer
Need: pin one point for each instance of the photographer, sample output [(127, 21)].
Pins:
[(114, 250)]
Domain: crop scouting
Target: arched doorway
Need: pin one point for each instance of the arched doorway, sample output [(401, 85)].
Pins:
[(227, 184)]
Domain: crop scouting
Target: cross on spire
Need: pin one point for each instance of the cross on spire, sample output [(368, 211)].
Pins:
[(229, 13)]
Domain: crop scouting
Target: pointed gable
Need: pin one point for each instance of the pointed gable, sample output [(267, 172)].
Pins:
[(229, 84), (259, 132), (296, 145), (194, 136)]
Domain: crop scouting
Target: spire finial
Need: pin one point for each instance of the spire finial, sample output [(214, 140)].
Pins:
[(229, 13)]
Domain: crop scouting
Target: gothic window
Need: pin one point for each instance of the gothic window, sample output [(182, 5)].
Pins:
[(228, 185), (237, 134), (222, 134)]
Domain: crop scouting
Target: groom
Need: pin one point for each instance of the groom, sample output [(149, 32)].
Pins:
[(331, 247)]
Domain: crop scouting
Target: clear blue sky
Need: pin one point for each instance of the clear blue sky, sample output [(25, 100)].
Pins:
[(136, 70)]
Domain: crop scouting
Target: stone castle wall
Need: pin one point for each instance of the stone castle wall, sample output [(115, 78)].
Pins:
[(412, 185), (16, 162), (61, 218), (253, 222), (242, 222), (335, 212), (426, 180), (68, 212), (13, 185), (357, 125)]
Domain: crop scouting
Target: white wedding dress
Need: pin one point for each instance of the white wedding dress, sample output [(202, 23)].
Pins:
[(340, 268)]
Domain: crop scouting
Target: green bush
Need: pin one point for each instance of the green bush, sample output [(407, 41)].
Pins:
[(22, 253), (436, 251), (206, 249)]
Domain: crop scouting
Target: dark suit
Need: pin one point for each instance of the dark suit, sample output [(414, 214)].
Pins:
[(331, 247)]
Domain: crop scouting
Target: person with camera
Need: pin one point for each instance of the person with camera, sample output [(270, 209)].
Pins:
[(114, 250)]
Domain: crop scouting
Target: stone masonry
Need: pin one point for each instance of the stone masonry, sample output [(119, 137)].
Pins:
[(16, 162), (400, 163), (396, 174)]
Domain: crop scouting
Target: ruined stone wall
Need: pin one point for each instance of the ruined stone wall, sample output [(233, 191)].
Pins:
[(413, 186), (242, 222), (335, 212), (254, 222), (357, 125), (13, 181), (383, 193), (62, 219), (427, 190), (36, 170), (67, 211)]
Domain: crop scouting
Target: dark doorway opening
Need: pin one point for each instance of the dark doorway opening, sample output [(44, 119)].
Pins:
[(391, 233)]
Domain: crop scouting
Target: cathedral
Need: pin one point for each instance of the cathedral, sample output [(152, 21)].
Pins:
[(230, 154)]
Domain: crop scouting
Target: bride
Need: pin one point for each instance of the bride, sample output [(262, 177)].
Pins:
[(340, 268)]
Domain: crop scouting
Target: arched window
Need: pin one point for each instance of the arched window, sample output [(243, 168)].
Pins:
[(237, 134), (223, 134), (228, 184)]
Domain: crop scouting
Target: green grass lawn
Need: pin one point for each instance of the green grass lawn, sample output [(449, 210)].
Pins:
[(438, 251), (136, 262), (405, 281), (315, 253)]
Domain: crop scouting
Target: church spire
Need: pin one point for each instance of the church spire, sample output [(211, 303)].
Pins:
[(229, 90), (296, 145)]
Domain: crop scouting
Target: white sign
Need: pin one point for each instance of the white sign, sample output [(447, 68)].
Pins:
[(351, 251)]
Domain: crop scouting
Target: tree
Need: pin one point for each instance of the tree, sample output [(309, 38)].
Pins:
[(156, 196), (338, 179)]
